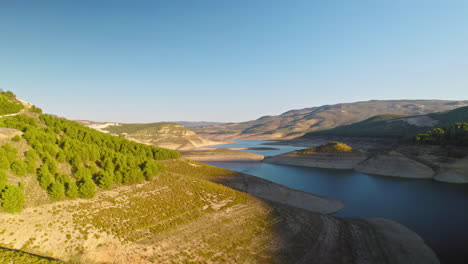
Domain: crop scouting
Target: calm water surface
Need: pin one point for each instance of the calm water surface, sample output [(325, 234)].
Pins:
[(437, 211)]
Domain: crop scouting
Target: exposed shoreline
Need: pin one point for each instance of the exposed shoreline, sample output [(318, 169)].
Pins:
[(393, 164), (222, 155), (382, 156), (276, 192)]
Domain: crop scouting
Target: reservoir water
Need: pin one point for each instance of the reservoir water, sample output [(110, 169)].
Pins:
[(437, 211)]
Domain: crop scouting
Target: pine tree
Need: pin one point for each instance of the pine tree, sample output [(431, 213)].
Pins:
[(12, 199), (44, 177), (151, 169), (86, 188), (3, 179), (71, 190), (51, 164), (118, 177), (61, 157), (4, 163), (19, 167), (56, 191), (105, 180)]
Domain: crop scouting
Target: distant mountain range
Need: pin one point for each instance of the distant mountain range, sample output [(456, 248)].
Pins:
[(296, 123)]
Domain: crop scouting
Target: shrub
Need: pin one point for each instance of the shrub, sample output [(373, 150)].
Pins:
[(16, 138)]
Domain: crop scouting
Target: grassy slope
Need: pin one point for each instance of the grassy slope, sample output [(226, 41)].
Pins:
[(177, 218), (390, 126), (298, 122)]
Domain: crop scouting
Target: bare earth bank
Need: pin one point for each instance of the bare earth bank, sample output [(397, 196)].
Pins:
[(384, 157), (221, 155)]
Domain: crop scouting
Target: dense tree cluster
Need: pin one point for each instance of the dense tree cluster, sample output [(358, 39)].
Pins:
[(456, 134), (11, 196), (95, 159), (9, 104), (35, 109)]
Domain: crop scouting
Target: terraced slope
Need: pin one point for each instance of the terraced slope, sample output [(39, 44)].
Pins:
[(296, 123)]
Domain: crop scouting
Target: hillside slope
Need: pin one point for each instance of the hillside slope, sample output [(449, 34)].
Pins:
[(396, 125), (296, 123), (161, 134), (9, 104)]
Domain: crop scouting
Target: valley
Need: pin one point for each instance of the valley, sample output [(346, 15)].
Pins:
[(75, 194), (233, 132)]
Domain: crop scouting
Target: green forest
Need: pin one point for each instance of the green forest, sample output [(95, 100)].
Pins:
[(70, 160), (456, 134), (9, 104)]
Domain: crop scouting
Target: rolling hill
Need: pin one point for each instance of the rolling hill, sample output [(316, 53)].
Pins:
[(391, 125), (161, 134), (296, 123)]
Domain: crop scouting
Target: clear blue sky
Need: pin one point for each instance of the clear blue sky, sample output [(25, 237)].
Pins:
[(232, 60)]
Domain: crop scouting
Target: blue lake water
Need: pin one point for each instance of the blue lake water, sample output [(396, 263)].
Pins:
[(437, 211)]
